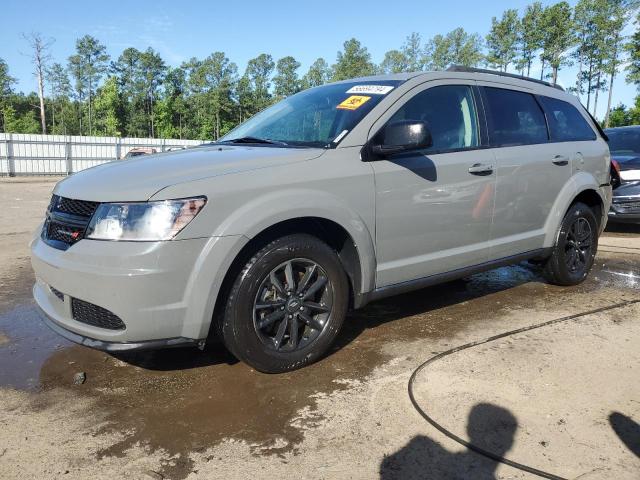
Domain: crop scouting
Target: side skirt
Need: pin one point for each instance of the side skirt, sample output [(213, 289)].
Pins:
[(398, 288)]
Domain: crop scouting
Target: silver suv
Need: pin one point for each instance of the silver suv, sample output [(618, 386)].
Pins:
[(334, 197)]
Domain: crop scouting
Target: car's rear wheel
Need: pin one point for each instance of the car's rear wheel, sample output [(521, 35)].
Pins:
[(287, 305), (575, 250)]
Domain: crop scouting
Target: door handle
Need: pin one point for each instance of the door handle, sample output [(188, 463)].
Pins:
[(560, 160), (480, 169)]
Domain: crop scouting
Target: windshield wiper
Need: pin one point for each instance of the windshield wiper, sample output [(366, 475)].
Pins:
[(255, 140)]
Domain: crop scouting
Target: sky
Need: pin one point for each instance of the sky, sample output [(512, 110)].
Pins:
[(179, 30)]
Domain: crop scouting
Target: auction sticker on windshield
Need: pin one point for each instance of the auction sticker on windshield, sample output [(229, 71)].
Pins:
[(371, 89), (353, 102)]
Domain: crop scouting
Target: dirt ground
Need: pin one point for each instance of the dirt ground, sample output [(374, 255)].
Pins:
[(563, 398)]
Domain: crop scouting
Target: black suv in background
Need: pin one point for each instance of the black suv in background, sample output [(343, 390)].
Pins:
[(624, 144)]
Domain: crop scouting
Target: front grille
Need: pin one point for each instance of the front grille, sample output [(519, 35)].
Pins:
[(95, 316), (57, 293), (60, 232), (67, 220), (81, 208)]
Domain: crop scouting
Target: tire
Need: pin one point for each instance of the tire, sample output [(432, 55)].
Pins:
[(575, 249), (275, 328)]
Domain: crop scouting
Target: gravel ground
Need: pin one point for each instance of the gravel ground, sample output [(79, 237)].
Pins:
[(563, 398)]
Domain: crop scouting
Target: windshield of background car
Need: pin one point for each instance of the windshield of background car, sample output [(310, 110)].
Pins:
[(624, 142), (318, 117)]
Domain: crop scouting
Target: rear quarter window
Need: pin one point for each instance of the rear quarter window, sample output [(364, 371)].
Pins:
[(514, 118), (566, 124)]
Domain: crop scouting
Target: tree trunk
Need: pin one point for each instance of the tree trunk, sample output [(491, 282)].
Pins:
[(555, 74), (43, 119), (542, 71), (595, 100), (614, 67), (90, 98), (589, 83)]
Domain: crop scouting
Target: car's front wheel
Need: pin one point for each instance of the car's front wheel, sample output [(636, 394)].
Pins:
[(287, 305)]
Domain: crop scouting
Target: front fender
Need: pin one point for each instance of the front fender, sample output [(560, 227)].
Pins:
[(262, 212)]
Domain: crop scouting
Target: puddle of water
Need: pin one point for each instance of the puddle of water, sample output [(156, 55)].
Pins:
[(186, 400), (28, 344)]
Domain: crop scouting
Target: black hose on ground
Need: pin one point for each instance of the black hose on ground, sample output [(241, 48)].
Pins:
[(475, 448)]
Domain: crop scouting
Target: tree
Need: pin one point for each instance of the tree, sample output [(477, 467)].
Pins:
[(6, 84), (557, 36), (437, 53), (151, 74), (455, 48), (591, 23), (633, 50), (318, 74), (354, 61), (502, 40), (61, 91), (108, 105), (464, 48), (615, 40), (530, 40), (286, 81), (394, 62), (258, 73), (40, 57), (89, 65), (127, 70), (172, 109), (413, 53)]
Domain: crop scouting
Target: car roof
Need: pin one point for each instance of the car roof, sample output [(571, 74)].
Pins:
[(463, 73), (628, 127)]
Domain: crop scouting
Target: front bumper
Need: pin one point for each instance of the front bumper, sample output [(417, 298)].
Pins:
[(116, 346), (162, 291), (625, 206)]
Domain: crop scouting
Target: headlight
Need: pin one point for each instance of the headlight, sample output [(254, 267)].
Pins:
[(144, 221)]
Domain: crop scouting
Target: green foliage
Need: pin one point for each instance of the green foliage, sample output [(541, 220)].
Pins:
[(19, 114), (109, 111), (633, 49), (502, 40), (353, 61), (319, 73), (557, 36), (138, 95), (531, 36), (6, 84), (622, 116), (455, 48), (286, 81)]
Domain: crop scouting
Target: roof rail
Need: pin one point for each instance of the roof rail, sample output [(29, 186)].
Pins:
[(461, 68)]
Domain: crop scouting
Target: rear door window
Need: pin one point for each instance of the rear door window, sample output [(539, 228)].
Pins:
[(565, 122), (514, 118)]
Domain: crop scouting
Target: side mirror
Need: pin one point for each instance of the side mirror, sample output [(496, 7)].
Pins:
[(402, 136)]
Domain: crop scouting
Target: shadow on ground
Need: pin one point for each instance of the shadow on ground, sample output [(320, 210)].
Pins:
[(489, 427), (627, 431)]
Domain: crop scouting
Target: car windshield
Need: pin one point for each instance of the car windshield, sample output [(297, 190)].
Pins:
[(624, 142), (318, 117)]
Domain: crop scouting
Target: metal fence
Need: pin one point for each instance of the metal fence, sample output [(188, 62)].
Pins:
[(24, 154)]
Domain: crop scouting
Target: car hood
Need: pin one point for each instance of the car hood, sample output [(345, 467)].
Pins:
[(137, 179)]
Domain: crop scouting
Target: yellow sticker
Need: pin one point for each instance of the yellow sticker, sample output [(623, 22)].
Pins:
[(353, 102)]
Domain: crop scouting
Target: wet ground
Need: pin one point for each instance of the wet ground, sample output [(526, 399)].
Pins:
[(184, 401)]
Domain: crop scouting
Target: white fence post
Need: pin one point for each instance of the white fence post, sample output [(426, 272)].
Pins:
[(11, 162), (67, 155), (118, 148)]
